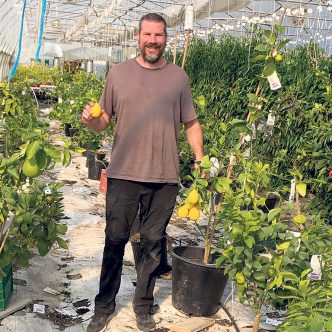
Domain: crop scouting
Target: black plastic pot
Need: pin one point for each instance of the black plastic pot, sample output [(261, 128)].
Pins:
[(73, 132), (67, 126), (197, 288), (163, 268), (90, 158), (100, 155), (94, 170)]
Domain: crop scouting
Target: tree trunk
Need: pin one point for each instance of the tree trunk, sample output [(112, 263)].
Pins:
[(256, 321)]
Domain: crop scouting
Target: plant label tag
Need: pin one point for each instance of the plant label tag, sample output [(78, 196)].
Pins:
[(40, 308), (274, 81), (292, 191), (274, 322), (271, 119), (316, 273)]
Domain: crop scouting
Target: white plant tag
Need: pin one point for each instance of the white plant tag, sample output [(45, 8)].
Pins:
[(274, 322), (274, 81), (292, 191), (40, 308), (316, 273), (271, 119)]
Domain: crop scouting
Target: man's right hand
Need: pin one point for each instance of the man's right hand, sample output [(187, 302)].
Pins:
[(95, 124), (87, 113)]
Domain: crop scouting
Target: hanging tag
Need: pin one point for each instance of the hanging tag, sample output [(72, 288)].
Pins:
[(270, 119), (316, 273), (274, 81), (189, 18), (292, 191), (47, 190)]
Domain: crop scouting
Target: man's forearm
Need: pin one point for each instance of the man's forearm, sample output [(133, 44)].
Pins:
[(195, 138)]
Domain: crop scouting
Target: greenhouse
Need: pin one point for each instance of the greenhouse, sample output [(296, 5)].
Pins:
[(166, 165)]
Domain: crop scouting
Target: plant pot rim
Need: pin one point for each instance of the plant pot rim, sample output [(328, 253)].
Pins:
[(187, 260)]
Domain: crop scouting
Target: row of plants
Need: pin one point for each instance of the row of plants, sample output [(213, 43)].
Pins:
[(30, 204), (267, 250), (224, 70)]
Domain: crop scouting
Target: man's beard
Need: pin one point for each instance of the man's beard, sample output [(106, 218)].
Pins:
[(152, 58)]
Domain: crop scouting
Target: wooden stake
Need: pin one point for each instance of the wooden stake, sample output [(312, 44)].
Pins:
[(175, 44), (185, 48)]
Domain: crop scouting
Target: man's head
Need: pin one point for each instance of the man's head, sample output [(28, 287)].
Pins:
[(152, 37)]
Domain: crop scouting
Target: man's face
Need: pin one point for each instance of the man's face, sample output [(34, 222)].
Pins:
[(152, 41)]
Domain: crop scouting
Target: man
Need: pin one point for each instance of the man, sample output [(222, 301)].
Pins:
[(150, 97)]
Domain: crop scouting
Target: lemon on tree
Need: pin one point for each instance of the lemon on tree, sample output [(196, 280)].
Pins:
[(183, 211), (96, 110), (240, 278), (193, 197), (278, 57), (30, 168), (194, 213)]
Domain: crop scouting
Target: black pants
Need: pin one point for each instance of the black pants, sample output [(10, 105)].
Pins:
[(156, 202)]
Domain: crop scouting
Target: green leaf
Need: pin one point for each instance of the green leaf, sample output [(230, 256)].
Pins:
[(263, 48), (66, 157), (273, 214), (270, 36), (252, 97), (205, 162), (54, 153), (301, 188), (282, 44), (42, 247), (259, 276), (249, 241), (303, 285), (202, 182), (269, 69), (12, 172), (32, 149), (61, 229), (224, 183), (258, 58), (62, 243)]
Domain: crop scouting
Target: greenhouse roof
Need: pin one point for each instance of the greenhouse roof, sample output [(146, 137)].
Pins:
[(107, 23)]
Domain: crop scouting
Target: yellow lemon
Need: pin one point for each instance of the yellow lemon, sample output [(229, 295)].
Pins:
[(183, 211), (240, 278), (194, 213), (30, 168), (278, 57), (193, 197), (96, 110)]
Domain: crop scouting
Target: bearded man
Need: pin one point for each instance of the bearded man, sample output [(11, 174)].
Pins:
[(149, 97)]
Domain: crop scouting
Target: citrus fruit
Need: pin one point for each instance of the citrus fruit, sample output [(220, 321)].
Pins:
[(49, 198), (240, 278), (30, 168), (278, 57), (96, 110), (193, 197), (194, 213), (189, 206), (183, 211)]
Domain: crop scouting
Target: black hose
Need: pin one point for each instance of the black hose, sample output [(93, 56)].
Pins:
[(231, 318)]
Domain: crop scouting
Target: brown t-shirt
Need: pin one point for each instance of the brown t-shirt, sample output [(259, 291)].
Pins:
[(149, 105)]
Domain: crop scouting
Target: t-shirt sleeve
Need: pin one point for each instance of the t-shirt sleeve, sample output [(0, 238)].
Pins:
[(106, 98), (187, 106)]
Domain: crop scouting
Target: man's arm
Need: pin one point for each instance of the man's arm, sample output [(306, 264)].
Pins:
[(95, 124), (195, 137)]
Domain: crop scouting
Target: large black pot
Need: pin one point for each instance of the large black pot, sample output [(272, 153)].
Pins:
[(197, 288), (94, 170)]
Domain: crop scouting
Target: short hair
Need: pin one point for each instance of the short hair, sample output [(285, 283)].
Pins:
[(152, 17)]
